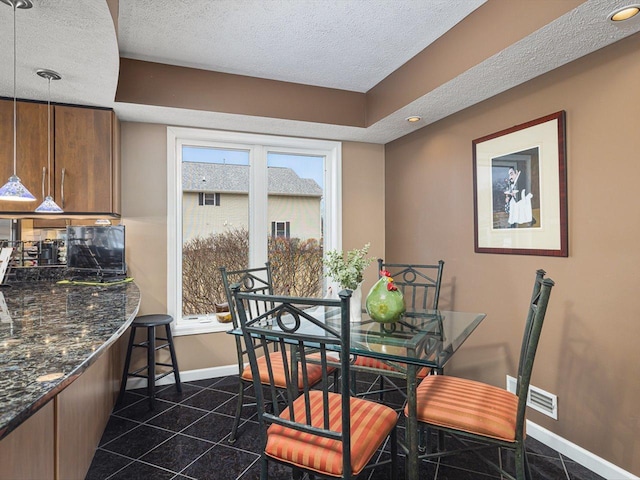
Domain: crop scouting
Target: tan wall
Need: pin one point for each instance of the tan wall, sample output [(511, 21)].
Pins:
[(144, 212), (589, 352), (363, 209)]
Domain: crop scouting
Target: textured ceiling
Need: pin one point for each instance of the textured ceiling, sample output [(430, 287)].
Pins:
[(345, 44)]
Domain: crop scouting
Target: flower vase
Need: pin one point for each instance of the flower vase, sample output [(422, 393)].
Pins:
[(355, 303), (355, 307)]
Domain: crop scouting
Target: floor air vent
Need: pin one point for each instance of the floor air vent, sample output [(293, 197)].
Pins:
[(538, 399)]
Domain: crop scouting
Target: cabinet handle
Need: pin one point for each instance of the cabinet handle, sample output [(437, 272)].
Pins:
[(44, 175), (62, 188)]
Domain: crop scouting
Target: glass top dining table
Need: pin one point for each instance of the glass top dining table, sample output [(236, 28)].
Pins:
[(420, 338)]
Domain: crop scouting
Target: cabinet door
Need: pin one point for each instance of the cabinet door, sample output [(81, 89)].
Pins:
[(31, 152), (84, 159)]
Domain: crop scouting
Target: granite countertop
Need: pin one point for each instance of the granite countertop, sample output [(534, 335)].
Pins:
[(49, 334)]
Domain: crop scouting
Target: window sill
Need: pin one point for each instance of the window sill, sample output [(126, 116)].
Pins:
[(202, 325)]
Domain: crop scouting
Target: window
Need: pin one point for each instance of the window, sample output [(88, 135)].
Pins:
[(209, 199), (280, 229), (277, 199)]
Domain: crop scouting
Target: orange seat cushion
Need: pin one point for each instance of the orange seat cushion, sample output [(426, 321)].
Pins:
[(314, 371), (467, 405), (371, 423), (377, 364)]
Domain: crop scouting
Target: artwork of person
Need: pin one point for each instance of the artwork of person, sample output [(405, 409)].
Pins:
[(517, 204)]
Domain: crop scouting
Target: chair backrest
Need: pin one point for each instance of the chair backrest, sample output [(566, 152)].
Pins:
[(304, 340), (533, 327), (253, 280), (420, 284)]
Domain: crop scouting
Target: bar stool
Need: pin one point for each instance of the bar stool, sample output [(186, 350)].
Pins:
[(150, 322)]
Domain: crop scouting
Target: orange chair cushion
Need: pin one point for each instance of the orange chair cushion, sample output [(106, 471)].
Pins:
[(467, 405), (377, 364), (314, 371), (371, 423)]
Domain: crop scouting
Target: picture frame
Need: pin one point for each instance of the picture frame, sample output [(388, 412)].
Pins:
[(520, 189)]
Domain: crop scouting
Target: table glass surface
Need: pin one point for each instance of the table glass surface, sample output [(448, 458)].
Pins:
[(423, 337)]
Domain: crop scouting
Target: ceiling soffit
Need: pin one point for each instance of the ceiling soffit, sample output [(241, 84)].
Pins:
[(150, 83), (498, 46)]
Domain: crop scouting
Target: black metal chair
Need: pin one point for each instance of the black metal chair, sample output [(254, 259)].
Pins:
[(484, 413), (319, 432), (258, 281), (420, 286)]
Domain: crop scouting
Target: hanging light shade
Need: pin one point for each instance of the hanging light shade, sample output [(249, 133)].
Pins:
[(14, 190), (48, 205)]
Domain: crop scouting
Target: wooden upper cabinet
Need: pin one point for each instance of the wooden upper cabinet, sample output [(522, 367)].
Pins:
[(84, 157), (31, 152), (85, 168)]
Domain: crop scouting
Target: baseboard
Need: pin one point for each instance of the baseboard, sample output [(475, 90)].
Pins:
[(578, 454), (187, 376)]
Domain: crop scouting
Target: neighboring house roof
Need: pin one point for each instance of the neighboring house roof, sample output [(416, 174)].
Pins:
[(216, 177)]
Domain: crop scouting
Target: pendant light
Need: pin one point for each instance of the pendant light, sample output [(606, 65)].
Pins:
[(48, 205), (14, 190)]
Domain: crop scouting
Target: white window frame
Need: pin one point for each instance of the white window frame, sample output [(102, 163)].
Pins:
[(258, 146)]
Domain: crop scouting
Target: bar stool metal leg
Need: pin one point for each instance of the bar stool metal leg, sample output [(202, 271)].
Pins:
[(174, 359), (151, 365)]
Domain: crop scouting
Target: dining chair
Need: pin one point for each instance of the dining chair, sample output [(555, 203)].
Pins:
[(318, 432), (420, 286), (484, 413), (254, 280)]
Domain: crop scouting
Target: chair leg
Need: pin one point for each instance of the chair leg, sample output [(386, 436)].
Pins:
[(174, 359), (236, 421), (354, 390), (527, 469), (521, 463), (440, 442), (127, 363), (422, 439), (381, 388), (264, 467), (394, 453)]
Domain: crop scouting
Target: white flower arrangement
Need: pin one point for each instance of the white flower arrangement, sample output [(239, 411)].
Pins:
[(348, 271)]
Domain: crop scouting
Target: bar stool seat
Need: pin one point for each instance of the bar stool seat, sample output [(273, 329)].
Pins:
[(150, 322)]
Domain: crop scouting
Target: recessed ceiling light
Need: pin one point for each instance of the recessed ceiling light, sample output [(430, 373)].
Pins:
[(624, 13), (413, 118)]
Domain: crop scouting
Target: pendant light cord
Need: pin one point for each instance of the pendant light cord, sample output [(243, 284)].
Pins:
[(15, 123), (49, 139)]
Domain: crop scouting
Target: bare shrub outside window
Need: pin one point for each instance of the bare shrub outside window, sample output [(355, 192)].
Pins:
[(296, 266)]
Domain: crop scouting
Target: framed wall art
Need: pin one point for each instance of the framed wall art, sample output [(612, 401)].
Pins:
[(520, 189)]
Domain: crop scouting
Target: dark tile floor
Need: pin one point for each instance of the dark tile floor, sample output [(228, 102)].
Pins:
[(185, 438)]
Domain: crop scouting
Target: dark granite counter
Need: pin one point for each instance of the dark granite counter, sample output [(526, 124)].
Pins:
[(50, 334)]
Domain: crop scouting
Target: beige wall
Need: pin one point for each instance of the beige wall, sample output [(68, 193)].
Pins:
[(144, 212), (589, 352)]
